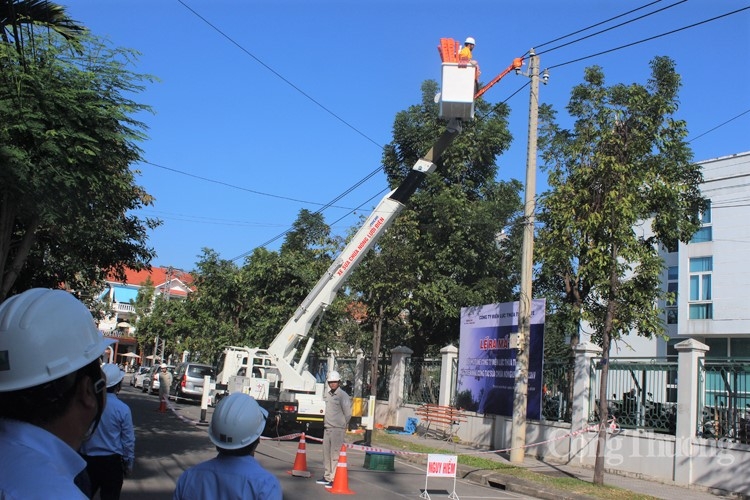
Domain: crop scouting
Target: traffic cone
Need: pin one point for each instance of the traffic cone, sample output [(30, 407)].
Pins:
[(163, 406), (341, 478), (300, 461)]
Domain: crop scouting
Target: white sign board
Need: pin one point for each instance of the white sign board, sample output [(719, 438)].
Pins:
[(441, 465)]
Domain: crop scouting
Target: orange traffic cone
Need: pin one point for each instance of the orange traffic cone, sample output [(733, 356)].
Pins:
[(341, 478), (163, 406), (300, 461)]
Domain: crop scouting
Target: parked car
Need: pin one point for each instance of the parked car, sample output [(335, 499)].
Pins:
[(151, 383), (138, 376), (188, 379)]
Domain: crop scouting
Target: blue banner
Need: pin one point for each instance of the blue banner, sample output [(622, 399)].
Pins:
[(487, 359)]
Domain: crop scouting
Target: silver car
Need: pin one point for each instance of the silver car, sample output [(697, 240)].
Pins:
[(187, 382)]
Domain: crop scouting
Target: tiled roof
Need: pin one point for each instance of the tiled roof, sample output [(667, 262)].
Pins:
[(159, 277)]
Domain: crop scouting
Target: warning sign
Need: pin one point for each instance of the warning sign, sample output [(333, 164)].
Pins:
[(441, 465)]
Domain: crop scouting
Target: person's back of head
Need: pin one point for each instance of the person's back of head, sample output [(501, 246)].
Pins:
[(237, 424), (48, 345), (114, 375)]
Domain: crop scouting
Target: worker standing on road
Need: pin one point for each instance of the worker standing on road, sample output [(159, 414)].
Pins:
[(235, 429), (52, 393), (110, 453), (335, 422), (165, 382)]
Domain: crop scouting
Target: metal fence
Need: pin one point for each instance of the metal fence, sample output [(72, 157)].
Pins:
[(643, 392), (724, 399), (422, 381), (557, 391)]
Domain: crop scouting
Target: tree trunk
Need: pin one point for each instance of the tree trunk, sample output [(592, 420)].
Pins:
[(601, 445)]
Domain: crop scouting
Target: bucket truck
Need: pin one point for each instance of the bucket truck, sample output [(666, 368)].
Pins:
[(276, 376)]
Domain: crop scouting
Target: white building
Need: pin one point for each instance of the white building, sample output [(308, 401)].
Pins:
[(710, 275)]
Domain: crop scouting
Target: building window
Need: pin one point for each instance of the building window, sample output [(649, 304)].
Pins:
[(740, 347), (700, 305), (671, 303), (704, 233), (718, 348)]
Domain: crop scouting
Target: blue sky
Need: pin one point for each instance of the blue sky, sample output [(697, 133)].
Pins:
[(265, 108)]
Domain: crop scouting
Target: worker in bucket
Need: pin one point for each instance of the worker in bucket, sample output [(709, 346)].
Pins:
[(52, 393), (466, 56), (335, 422), (235, 429)]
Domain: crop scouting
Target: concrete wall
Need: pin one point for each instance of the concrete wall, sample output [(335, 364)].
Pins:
[(682, 459)]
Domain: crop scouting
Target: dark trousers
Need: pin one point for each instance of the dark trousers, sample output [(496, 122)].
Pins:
[(105, 473)]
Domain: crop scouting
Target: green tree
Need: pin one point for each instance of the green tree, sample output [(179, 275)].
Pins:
[(18, 18), (624, 165), (442, 252), (67, 139)]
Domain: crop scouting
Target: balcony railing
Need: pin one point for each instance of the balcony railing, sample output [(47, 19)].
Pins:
[(121, 307)]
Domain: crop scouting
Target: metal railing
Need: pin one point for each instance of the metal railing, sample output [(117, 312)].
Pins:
[(643, 392), (422, 381), (557, 391), (724, 399)]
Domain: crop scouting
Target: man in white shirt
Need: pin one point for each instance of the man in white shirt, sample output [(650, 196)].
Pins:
[(52, 393)]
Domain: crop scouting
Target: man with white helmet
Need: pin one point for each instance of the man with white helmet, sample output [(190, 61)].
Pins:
[(110, 453), (51, 393), (235, 429), (465, 55), (335, 422)]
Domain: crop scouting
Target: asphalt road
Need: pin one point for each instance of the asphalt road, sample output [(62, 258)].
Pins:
[(167, 444)]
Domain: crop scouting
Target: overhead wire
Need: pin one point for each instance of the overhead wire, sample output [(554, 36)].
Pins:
[(612, 27), (377, 170), (595, 25), (718, 126), (279, 75), (648, 39)]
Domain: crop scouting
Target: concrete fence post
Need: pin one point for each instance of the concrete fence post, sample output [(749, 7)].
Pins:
[(581, 403), (689, 354), (399, 355), (448, 355)]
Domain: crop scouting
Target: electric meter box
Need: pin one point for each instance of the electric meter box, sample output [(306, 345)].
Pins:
[(457, 94)]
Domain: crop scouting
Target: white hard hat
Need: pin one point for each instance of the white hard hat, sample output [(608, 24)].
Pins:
[(334, 376), (113, 374), (163, 365), (470, 40), (237, 422), (44, 335)]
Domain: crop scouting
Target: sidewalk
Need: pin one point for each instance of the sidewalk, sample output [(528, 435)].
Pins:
[(511, 483)]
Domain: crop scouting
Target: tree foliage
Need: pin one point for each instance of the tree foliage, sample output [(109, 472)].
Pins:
[(67, 139), (441, 253), (622, 184)]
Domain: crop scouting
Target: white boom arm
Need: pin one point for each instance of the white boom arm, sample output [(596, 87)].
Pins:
[(284, 347)]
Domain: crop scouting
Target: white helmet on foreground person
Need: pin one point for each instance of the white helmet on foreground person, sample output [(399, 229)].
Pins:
[(44, 335), (470, 40), (113, 374), (237, 422), (334, 376)]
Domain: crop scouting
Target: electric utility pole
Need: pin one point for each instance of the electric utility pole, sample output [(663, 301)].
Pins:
[(520, 393)]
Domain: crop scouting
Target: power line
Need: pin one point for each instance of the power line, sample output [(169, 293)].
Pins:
[(595, 25), (719, 126), (279, 75), (612, 27), (248, 190), (650, 38)]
